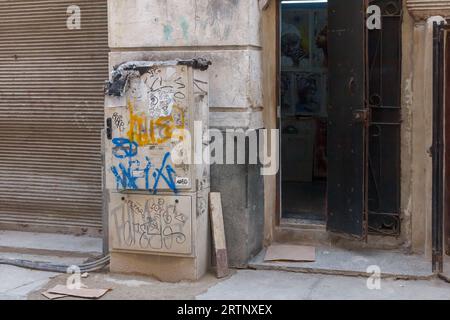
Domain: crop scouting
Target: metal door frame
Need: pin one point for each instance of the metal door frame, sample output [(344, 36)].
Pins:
[(438, 148)]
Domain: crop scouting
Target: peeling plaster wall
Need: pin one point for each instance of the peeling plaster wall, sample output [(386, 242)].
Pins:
[(226, 32), (423, 9), (406, 129), (422, 135), (184, 23)]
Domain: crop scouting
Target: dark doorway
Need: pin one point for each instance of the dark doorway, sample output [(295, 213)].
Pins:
[(304, 71)]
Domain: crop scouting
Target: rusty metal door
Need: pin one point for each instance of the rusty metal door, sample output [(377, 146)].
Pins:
[(348, 118), (384, 98)]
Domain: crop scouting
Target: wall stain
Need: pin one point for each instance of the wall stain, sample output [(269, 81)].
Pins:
[(168, 32), (221, 9), (221, 15), (185, 27)]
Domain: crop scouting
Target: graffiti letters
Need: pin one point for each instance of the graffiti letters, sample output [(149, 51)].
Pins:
[(118, 121), (145, 130), (157, 225), (128, 174)]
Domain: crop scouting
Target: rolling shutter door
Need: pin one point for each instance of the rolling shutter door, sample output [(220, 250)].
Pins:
[(51, 115)]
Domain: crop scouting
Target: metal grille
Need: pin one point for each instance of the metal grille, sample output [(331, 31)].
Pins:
[(51, 115), (384, 135)]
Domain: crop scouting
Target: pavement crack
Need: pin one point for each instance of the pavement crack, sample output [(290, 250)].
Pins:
[(24, 285), (312, 288)]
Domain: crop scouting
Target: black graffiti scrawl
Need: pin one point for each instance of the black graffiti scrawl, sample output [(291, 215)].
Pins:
[(158, 224)]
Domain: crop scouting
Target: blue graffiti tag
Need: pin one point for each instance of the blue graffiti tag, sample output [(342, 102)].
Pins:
[(127, 176), (159, 173), (124, 148)]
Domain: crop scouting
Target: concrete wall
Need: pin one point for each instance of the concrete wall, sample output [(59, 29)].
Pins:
[(242, 190), (421, 133), (417, 112), (270, 97), (227, 32)]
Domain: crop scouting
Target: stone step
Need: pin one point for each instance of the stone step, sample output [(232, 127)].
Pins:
[(361, 262), (49, 245)]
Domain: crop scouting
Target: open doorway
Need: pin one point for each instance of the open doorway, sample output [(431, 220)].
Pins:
[(303, 116), (340, 116)]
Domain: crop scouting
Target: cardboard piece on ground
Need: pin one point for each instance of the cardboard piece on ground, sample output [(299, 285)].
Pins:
[(290, 253), (80, 293), (53, 296), (218, 232)]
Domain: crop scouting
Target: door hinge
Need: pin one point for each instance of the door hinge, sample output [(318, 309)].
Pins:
[(278, 111), (438, 262), (362, 116), (430, 151)]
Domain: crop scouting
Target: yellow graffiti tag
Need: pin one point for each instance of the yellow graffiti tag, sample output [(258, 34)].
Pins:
[(145, 131)]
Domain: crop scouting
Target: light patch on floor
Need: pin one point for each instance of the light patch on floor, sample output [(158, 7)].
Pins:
[(279, 285), (128, 283)]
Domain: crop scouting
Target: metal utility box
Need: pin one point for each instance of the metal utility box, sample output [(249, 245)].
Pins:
[(158, 184)]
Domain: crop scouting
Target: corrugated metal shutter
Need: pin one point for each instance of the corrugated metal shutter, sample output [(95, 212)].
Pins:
[(51, 115)]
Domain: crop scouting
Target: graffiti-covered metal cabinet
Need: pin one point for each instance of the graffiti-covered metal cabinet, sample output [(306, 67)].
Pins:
[(156, 120)]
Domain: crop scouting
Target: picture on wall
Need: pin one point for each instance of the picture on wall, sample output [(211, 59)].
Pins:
[(319, 55), (320, 150), (287, 92), (295, 39), (309, 92)]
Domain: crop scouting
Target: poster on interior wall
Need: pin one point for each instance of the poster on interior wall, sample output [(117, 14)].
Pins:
[(319, 48), (324, 86), (287, 90), (320, 150), (309, 94), (295, 39)]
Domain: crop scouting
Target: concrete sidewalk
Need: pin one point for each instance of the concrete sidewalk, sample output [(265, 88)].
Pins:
[(18, 283), (241, 285)]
